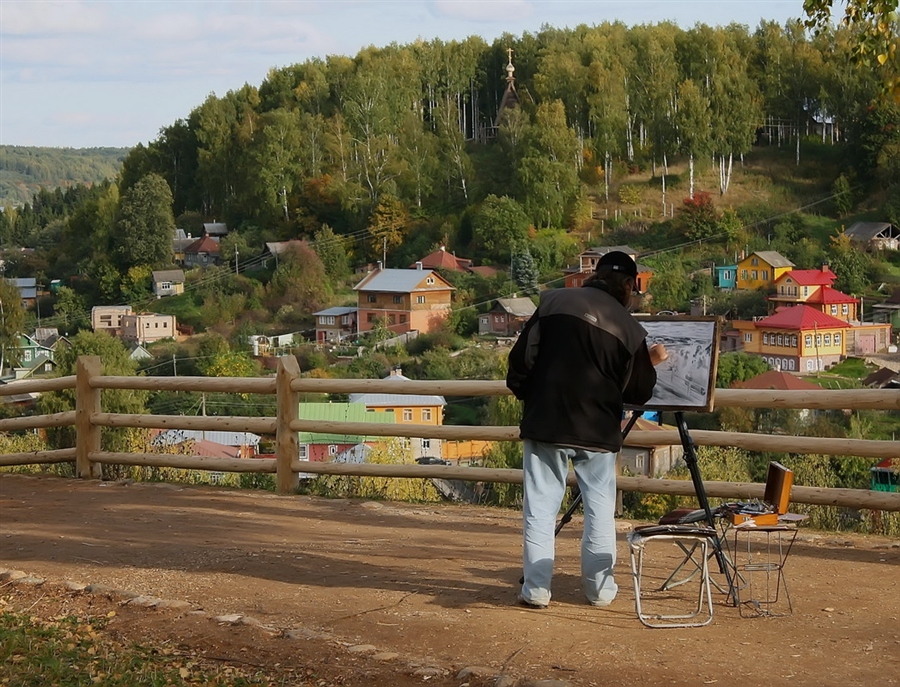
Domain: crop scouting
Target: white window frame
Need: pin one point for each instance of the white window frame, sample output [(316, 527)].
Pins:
[(407, 415), (426, 414)]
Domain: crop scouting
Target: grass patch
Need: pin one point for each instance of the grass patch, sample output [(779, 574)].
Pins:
[(73, 651)]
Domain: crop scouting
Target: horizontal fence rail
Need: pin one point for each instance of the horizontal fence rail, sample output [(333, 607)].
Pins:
[(288, 386)]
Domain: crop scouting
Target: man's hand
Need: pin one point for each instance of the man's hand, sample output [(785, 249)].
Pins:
[(658, 354)]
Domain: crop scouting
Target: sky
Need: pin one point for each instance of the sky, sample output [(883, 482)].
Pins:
[(80, 73)]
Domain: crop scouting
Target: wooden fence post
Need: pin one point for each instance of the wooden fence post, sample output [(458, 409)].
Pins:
[(87, 402), (287, 447)]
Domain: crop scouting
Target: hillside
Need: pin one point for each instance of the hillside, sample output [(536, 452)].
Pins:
[(24, 169)]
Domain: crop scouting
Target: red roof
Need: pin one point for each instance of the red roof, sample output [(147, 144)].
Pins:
[(822, 277), (826, 294), (441, 259), (780, 381), (801, 317), (203, 245)]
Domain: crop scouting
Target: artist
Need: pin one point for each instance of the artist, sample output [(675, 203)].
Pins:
[(580, 358)]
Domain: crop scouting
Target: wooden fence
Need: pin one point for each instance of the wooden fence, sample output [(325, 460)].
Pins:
[(287, 385)]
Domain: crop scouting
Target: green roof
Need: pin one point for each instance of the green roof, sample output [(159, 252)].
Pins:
[(339, 412)]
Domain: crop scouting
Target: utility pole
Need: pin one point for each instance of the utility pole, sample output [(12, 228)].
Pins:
[(236, 270), (174, 367), (384, 253)]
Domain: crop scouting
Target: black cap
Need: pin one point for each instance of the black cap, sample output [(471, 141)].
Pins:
[(618, 261)]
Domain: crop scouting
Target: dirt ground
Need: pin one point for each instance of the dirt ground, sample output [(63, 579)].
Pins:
[(376, 593)]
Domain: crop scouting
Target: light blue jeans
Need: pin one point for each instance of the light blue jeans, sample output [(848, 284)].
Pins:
[(545, 468)]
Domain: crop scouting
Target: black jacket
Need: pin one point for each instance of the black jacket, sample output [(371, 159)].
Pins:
[(580, 358)]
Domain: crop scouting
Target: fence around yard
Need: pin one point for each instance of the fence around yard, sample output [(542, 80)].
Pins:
[(287, 385)]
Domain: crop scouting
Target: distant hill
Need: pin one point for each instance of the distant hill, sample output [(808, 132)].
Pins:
[(24, 169)]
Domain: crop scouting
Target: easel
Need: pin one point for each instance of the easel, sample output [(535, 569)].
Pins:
[(690, 458)]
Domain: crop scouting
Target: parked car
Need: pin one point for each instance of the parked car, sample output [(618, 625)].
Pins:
[(432, 460)]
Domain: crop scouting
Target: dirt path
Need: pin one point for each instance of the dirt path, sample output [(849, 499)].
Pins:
[(431, 589)]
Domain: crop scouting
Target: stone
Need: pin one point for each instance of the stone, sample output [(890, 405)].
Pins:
[(361, 649), (174, 604), (74, 586), (386, 656), (231, 619), (475, 671), (12, 575)]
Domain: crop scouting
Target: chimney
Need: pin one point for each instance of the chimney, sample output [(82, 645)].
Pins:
[(380, 266), (419, 265), (442, 248)]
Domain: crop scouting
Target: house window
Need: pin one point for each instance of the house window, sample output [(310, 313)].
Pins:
[(754, 262), (426, 444), (398, 299), (420, 299), (407, 414), (805, 290), (807, 340), (370, 298), (392, 319), (780, 340), (326, 319), (765, 275), (27, 354), (402, 319), (370, 317), (818, 339), (426, 414), (332, 450), (766, 338), (744, 274), (748, 337), (166, 285), (845, 309), (303, 453), (834, 310), (837, 339), (430, 280), (828, 339), (754, 275), (793, 341), (345, 319)]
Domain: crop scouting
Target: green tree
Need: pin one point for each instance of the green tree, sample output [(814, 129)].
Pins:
[(388, 225), (12, 325), (850, 264), (738, 367), (145, 225), (299, 281), (330, 249), (497, 225), (524, 271), (114, 361), (670, 286)]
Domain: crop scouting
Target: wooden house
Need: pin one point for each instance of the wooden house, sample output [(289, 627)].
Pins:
[(507, 317), (799, 339), (761, 269)]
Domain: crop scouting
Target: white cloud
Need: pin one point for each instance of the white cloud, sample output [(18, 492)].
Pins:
[(48, 17)]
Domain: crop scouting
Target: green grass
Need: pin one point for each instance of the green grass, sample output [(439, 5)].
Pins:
[(72, 651)]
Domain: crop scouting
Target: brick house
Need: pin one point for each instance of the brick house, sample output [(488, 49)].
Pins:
[(405, 300)]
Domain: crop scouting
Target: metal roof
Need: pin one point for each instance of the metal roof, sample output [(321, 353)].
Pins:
[(518, 307), (866, 231), (178, 436), (337, 310), (773, 258), (175, 276), (397, 400), (400, 281), (338, 412)]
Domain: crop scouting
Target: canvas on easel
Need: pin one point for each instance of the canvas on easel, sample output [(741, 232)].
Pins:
[(686, 380)]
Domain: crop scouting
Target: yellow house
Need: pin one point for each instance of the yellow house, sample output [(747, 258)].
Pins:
[(409, 409), (798, 339), (759, 270)]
